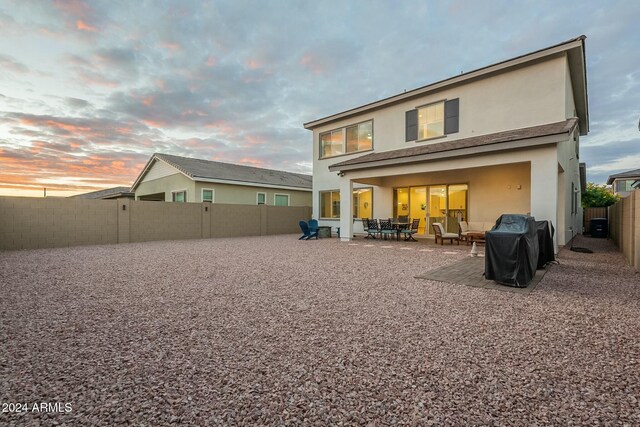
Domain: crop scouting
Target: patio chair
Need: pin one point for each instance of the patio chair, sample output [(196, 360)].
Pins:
[(307, 234), (463, 230), (372, 228), (409, 232), (439, 232), (386, 228), (313, 225), (365, 226)]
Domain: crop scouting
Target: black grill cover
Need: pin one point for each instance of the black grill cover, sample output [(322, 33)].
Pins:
[(545, 242), (511, 250)]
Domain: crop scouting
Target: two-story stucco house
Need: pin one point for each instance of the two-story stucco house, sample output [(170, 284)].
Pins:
[(183, 179), (500, 139)]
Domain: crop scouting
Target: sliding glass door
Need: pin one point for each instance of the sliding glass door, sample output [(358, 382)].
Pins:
[(437, 206), (446, 204)]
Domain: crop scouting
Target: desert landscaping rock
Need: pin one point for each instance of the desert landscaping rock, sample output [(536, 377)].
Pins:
[(276, 331)]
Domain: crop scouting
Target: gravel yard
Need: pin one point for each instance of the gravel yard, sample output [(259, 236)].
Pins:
[(276, 331)]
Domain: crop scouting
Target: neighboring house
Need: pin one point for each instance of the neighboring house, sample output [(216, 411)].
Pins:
[(109, 193), (500, 139), (182, 179), (625, 182)]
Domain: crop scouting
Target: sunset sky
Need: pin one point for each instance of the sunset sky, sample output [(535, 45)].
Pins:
[(90, 89)]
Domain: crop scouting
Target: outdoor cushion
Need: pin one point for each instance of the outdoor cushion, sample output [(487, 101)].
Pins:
[(445, 235), (477, 226)]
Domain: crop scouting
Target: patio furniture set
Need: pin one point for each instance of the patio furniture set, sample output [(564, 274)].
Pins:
[(384, 228), (402, 226)]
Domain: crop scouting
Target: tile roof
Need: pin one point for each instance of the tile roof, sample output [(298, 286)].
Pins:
[(107, 193), (558, 128), (208, 169), (628, 174)]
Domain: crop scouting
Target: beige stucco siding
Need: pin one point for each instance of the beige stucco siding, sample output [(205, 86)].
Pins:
[(167, 185), (528, 96), (247, 195), (493, 190)]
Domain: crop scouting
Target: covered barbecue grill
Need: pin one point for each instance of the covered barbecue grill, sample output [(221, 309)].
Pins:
[(545, 241), (512, 250)]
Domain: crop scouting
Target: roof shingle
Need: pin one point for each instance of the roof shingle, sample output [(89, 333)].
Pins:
[(209, 169), (476, 141)]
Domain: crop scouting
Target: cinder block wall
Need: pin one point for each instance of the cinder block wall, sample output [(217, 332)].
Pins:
[(30, 223), (624, 227)]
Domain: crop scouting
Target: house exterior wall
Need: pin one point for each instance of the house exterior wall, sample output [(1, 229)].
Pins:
[(247, 195), (159, 180), (167, 184), (534, 94)]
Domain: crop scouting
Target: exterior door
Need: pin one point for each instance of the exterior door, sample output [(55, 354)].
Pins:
[(418, 207), (437, 207)]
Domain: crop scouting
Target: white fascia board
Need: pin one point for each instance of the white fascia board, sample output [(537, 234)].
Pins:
[(470, 151), (249, 184)]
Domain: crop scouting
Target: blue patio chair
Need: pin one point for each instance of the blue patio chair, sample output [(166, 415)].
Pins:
[(307, 234), (313, 225)]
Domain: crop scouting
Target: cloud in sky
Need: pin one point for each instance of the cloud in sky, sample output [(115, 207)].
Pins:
[(90, 89)]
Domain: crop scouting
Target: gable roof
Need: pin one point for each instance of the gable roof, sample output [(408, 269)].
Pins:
[(423, 152), (108, 193), (628, 174), (577, 67), (212, 171)]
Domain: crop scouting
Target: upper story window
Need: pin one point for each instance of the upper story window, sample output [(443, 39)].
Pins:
[(432, 120), (350, 139)]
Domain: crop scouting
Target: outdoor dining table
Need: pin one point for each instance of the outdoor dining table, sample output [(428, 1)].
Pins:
[(399, 226)]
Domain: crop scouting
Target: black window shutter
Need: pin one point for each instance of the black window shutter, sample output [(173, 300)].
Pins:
[(411, 123), (451, 116)]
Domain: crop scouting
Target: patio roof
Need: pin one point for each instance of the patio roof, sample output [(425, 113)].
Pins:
[(497, 141)]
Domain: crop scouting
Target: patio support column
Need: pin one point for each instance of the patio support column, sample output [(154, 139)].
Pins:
[(346, 209), (544, 193)]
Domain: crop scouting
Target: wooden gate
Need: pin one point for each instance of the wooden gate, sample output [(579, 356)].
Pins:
[(590, 213)]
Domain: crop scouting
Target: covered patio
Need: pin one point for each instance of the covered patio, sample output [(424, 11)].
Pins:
[(474, 179)]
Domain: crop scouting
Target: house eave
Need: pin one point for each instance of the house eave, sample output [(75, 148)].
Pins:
[(148, 166), (460, 152), (249, 184)]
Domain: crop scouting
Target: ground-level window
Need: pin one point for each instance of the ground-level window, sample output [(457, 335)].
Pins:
[(362, 203), (179, 196), (329, 204), (207, 195), (261, 198), (281, 199)]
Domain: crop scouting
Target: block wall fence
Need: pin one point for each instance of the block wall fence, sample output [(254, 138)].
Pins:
[(31, 223), (624, 227)]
